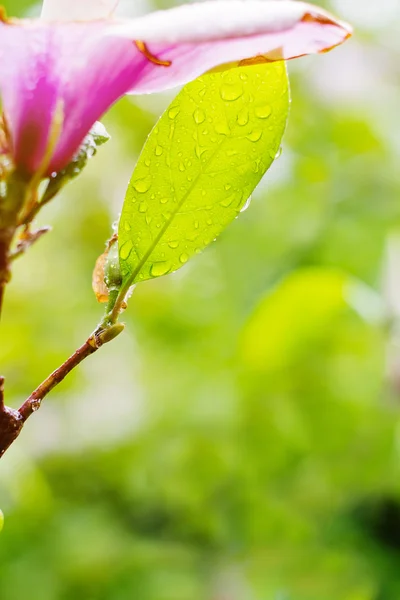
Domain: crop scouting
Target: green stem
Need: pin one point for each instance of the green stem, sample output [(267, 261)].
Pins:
[(10, 205)]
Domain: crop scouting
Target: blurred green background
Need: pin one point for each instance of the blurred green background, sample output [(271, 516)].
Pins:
[(241, 440)]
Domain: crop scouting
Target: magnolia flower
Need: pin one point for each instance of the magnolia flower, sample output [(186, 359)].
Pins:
[(57, 77)]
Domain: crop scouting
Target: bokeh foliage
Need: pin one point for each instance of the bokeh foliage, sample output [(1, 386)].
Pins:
[(240, 440)]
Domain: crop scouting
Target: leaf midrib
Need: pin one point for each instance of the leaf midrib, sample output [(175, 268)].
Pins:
[(146, 256)]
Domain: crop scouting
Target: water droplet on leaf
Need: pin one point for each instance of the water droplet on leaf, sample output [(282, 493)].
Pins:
[(160, 268), (126, 249), (263, 111), (142, 185), (174, 112), (222, 128), (255, 135), (199, 116), (227, 201), (246, 204), (231, 91), (243, 117)]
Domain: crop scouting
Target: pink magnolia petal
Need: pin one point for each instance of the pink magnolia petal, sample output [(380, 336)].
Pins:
[(29, 90), (188, 61), (226, 19), (197, 37), (84, 67), (77, 10), (72, 65)]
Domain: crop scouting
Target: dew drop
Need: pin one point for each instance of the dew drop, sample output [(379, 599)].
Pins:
[(255, 135), (222, 128), (181, 167), (246, 204), (231, 91), (199, 151), (191, 237), (127, 226), (243, 117), (148, 219), (196, 224), (35, 404), (263, 111), (174, 112), (227, 201), (279, 152), (257, 165), (209, 222), (160, 268), (126, 249), (173, 244), (199, 116), (143, 206), (228, 186), (142, 185), (183, 258), (163, 200), (158, 151)]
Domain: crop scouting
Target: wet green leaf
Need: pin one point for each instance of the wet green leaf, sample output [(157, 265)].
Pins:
[(200, 165)]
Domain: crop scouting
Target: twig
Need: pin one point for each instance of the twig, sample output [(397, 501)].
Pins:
[(26, 239), (12, 421), (32, 403)]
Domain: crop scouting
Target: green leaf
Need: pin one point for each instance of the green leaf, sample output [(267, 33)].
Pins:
[(291, 319), (199, 166)]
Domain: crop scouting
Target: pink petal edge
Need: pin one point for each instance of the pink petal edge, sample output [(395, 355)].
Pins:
[(87, 66)]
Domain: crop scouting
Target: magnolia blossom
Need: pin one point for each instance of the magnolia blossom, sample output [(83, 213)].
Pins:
[(58, 76)]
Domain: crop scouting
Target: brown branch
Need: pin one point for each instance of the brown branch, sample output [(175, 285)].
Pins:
[(11, 421), (32, 403), (26, 239)]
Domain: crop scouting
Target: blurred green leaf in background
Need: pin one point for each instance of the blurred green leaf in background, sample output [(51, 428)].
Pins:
[(255, 397)]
